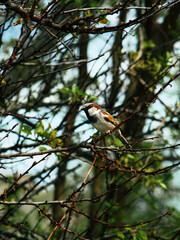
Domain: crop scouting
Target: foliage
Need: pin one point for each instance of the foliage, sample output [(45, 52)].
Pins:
[(59, 179)]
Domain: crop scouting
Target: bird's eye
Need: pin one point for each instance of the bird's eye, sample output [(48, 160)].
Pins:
[(89, 107)]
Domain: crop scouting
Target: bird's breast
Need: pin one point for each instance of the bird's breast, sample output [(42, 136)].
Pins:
[(103, 126)]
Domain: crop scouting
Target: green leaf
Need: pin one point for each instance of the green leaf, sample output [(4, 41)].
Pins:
[(103, 20), (56, 143), (92, 98), (128, 228), (45, 134), (96, 135), (60, 155), (142, 225), (117, 142), (3, 82), (39, 129), (49, 126), (141, 235), (158, 156), (120, 236), (42, 149), (25, 129), (134, 237), (64, 90), (76, 90), (149, 44), (162, 185), (53, 133), (88, 13), (130, 156), (75, 35)]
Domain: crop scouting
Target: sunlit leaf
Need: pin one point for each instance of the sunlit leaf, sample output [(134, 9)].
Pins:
[(39, 129), (103, 20), (56, 143), (120, 236), (53, 133), (162, 185), (141, 235), (42, 149), (26, 129), (88, 13), (117, 142), (64, 90), (3, 82)]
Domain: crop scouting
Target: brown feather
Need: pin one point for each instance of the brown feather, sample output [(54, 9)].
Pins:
[(95, 105), (109, 118)]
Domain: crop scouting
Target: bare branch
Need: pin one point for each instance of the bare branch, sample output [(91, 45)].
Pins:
[(8, 133)]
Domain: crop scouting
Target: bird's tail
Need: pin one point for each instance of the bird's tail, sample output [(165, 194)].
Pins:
[(124, 141)]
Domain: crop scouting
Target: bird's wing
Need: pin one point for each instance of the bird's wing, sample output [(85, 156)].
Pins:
[(109, 118)]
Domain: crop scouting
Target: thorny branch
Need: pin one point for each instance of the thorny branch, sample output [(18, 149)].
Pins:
[(8, 132), (37, 204), (73, 28), (145, 105), (121, 175), (85, 145)]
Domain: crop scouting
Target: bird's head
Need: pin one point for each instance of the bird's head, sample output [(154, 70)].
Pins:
[(91, 108)]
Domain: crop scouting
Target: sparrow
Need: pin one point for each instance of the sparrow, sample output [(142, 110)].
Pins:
[(103, 121)]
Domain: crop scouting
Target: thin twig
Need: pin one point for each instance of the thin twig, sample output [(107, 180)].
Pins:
[(66, 46), (86, 145), (8, 132)]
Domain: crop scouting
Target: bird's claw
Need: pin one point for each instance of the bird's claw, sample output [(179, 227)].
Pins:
[(108, 132)]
